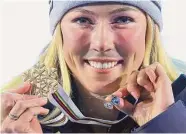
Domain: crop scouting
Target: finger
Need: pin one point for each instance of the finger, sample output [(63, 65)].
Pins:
[(9, 99), (125, 106), (36, 126), (151, 74), (161, 75), (144, 81), (16, 96), (163, 86), (30, 113), (28, 127), (23, 105), (122, 92), (23, 124), (132, 85), (158, 69), (25, 88)]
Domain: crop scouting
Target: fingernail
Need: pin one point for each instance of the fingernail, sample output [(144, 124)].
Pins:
[(118, 93), (23, 85), (135, 95), (146, 87), (47, 111), (27, 85), (44, 99)]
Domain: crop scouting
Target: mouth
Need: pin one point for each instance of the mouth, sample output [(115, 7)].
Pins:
[(103, 64)]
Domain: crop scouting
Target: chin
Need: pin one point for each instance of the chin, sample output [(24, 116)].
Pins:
[(102, 90)]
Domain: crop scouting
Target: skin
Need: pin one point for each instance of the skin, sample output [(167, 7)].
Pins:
[(102, 33), (107, 37), (103, 36), (25, 107)]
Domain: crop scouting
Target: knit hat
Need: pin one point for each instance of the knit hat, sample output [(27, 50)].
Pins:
[(58, 8)]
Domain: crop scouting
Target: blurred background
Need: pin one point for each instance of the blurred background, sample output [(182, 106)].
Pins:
[(25, 32)]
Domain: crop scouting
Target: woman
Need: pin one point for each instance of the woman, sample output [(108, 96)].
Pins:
[(101, 52)]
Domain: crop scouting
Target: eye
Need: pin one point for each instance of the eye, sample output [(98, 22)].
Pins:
[(123, 20), (82, 20)]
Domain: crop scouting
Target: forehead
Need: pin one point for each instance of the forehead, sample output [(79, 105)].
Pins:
[(107, 8)]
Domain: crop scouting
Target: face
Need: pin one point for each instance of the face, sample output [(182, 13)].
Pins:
[(101, 42)]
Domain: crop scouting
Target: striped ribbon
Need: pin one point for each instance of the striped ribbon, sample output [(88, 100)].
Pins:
[(61, 100)]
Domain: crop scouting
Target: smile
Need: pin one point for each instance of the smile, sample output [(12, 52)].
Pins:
[(103, 64)]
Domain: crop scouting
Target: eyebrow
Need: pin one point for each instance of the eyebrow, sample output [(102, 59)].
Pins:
[(123, 9), (85, 11)]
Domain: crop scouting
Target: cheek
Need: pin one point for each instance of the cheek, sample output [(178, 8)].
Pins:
[(131, 41), (76, 40), (74, 47)]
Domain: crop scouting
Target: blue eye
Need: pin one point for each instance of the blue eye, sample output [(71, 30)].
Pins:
[(123, 19), (83, 20)]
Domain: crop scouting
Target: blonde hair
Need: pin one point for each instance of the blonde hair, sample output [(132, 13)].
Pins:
[(154, 52)]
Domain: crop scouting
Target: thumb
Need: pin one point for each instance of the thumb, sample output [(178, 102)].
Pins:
[(25, 88), (159, 70), (36, 127)]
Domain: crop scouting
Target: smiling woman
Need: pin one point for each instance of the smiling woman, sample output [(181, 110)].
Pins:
[(104, 70), (101, 37)]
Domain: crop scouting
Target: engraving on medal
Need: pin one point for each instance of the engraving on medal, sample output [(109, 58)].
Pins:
[(43, 80), (108, 105)]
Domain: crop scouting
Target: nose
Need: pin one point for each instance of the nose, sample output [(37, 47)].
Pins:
[(102, 38)]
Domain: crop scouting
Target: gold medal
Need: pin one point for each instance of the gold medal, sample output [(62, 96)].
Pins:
[(43, 80)]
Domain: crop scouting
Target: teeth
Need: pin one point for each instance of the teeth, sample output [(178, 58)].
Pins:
[(103, 65), (99, 65), (112, 64)]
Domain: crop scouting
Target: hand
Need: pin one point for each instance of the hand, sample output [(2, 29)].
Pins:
[(24, 108), (9, 98), (153, 87)]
